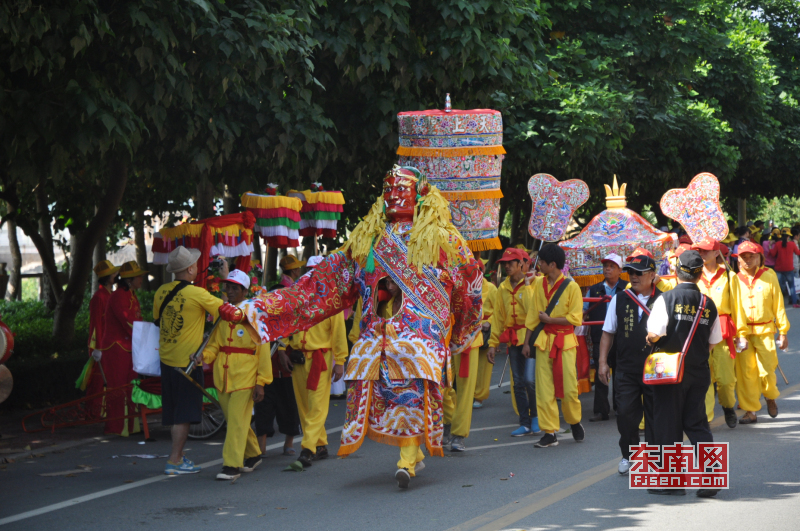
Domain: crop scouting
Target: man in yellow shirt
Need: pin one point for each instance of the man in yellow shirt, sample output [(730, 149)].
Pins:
[(718, 284), (180, 311), (484, 377), (508, 326), (242, 368), (761, 309), (323, 351), (556, 347)]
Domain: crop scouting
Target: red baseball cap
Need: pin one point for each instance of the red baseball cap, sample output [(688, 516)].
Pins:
[(512, 253), (750, 247), (685, 239), (640, 251), (724, 248), (706, 244)]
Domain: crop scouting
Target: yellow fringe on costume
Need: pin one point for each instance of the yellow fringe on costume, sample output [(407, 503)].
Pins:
[(431, 232), (590, 280), (450, 152), (187, 229), (488, 244), (251, 200), (477, 194)]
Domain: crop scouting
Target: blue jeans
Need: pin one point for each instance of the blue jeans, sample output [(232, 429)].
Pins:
[(524, 384), (786, 280)]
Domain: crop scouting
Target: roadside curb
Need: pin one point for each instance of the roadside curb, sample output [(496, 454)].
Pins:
[(49, 449)]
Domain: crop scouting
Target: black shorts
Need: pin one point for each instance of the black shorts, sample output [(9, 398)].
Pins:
[(181, 402)]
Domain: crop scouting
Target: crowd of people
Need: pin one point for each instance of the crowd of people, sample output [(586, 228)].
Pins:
[(720, 304)]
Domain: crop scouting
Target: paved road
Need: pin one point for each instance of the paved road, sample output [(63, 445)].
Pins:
[(572, 486)]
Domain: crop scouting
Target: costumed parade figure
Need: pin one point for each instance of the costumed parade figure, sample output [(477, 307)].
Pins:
[(398, 365)]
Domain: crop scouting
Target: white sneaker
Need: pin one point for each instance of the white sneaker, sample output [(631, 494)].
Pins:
[(403, 477), (419, 467), (623, 467), (457, 444), (477, 405)]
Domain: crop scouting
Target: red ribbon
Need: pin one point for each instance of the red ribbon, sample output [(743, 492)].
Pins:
[(463, 367), (728, 332), (555, 354), (509, 336), (318, 366)]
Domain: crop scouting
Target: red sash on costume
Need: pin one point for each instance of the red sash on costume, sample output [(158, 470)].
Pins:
[(728, 332), (463, 367), (555, 353), (318, 365), (507, 337)]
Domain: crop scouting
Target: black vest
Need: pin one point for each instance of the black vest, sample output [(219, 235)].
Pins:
[(632, 349), (682, 304), (598, 313)]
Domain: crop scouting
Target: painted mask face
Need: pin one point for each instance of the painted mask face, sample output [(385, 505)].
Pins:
[(400, 197)]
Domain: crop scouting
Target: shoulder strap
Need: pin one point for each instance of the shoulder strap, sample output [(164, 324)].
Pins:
[(694, 325), (635, 299), (549, 310), (171, 295)]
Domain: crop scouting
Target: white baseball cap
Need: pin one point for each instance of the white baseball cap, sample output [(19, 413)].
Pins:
[(237, 276), (613, 257), (314, 261)]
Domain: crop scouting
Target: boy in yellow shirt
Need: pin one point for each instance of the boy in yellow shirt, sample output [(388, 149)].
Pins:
[(719, 285), (761, 309), (556, 347), (508, 326), (242, 368), (324, 349)]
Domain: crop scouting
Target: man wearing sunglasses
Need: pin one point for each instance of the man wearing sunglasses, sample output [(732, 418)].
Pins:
[(626, 323)]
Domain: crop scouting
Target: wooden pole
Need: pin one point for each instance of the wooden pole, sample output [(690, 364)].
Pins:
[(264, 265)]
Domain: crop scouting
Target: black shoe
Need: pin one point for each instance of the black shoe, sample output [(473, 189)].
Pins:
[(578, 433), (599, 417), (549, 439), (707, 493), (667, 492), (228, 473), (322, 453), (730, 417), (251, 463), (305, 457)]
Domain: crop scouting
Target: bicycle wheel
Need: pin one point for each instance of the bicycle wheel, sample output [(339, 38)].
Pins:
[(213, 421)]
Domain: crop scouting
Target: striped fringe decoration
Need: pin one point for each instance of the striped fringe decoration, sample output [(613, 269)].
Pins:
[(474, 194), (484, 245), (450, 152), (590, 280)]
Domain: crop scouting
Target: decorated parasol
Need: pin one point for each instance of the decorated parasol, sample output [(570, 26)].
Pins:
[(277, 217), (615, 230), (461, 153), (230, 236)]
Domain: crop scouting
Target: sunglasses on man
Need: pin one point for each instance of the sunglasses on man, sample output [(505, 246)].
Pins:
[(637, 273)]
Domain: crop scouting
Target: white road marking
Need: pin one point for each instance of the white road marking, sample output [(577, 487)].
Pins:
[(116, 490)]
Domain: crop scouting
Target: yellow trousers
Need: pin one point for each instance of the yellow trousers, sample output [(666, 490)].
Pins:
[(240, 441), (458, 401), (409, 457), (755, 372), (723, 373), (313, 405), (546, 403), (484, 378)]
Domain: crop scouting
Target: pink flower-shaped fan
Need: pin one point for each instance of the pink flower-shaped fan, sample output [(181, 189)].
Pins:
[(554, 204), (697, 209)]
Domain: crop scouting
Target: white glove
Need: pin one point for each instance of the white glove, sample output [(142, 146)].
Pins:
[(96, 355), (740, 344)]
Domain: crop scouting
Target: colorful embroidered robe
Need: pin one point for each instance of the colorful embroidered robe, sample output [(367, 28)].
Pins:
[(397, 365)]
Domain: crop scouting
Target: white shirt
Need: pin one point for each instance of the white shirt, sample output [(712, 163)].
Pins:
[(610, 324), (657, 324)]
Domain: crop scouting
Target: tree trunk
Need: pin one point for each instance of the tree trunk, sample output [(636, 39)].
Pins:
[(86, 241), (14, 291), (272, 266), (98, 255), (51, 287), (257, 251), (139, 243), (204, 199), (515, 217), (230, 202)]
